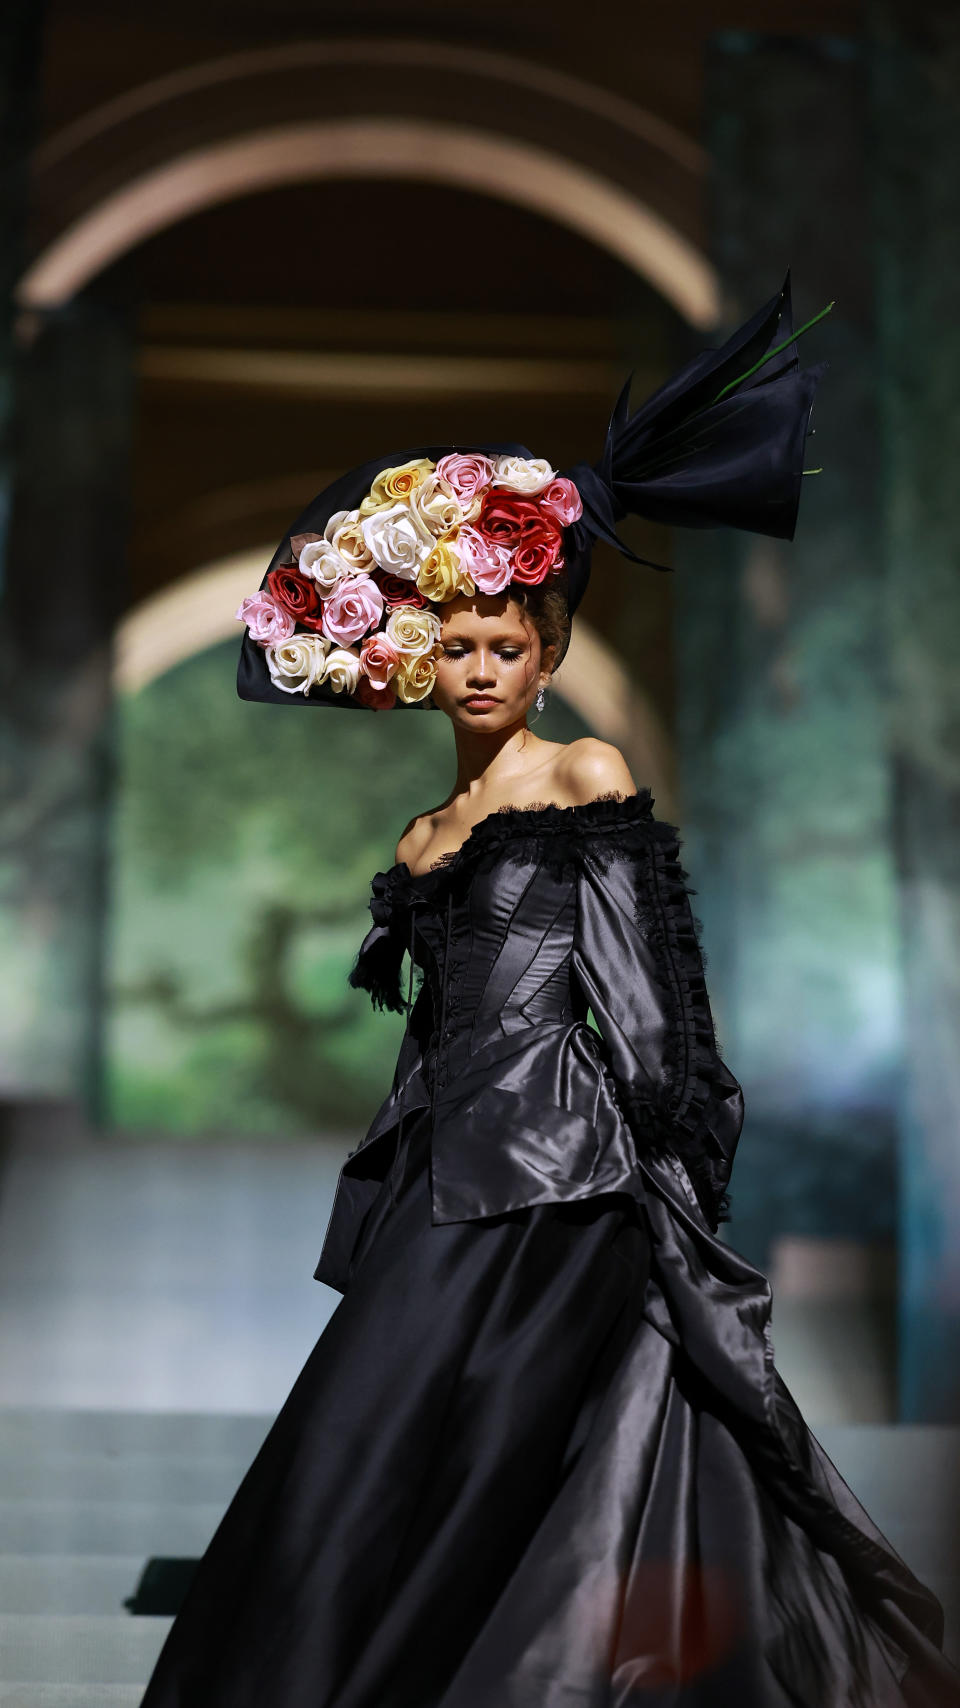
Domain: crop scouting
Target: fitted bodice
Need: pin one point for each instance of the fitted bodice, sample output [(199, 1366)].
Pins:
[(494, 956), (560, 1026)]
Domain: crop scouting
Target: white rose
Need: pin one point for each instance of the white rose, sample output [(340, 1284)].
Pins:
[(324, 565), (413, 630), (438, 506), (342, 669), (398, 539), (296, 664), (523, 474)]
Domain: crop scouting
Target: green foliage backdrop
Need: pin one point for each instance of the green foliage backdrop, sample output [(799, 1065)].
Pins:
[(244, 842)]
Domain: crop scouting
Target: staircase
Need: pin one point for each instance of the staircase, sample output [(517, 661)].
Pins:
[(88, 1498)]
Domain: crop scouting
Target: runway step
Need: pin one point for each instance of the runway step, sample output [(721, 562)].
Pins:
[(80, 1649), (70, 1695)]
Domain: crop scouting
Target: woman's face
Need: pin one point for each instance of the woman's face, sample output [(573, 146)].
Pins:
[(492, 662)]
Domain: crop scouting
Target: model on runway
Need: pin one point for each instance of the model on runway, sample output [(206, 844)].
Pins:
[(541, 1455)]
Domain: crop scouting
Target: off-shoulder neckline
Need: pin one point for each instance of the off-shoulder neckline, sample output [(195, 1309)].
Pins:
[(516, 821)]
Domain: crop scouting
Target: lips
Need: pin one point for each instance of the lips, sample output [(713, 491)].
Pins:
[(481, 700)]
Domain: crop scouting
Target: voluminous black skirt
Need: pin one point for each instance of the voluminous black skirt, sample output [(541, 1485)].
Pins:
[(499, 1483)]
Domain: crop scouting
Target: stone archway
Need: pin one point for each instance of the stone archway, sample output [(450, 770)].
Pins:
[(494, 123), (165, 152)]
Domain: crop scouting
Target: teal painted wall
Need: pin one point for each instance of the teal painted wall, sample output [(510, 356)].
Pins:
[(244, 840)]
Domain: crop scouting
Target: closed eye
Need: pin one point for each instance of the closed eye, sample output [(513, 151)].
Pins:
[(516, 652)]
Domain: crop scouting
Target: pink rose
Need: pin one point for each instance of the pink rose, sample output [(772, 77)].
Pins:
[(354, 606), (467, 474), (378, 659), (267, 621), (562, 500), (381, 699), (490, 564)]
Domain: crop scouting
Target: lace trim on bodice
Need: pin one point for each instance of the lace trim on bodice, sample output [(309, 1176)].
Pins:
[(398, 892), (560, 827)]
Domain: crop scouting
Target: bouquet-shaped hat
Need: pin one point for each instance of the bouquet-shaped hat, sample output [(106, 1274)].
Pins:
[(348, 612)]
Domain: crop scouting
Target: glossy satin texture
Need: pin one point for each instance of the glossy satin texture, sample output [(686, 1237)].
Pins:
[(542, 1458), (515, 937)]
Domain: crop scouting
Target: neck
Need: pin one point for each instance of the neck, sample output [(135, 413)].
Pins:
[(485, 761)]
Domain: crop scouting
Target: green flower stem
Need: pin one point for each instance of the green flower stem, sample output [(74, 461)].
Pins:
[(774, 352)]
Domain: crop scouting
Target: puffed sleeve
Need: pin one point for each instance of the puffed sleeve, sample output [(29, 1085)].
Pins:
[(638, 960)]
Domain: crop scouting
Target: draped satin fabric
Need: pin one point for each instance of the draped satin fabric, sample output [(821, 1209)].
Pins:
[(541, 1455)]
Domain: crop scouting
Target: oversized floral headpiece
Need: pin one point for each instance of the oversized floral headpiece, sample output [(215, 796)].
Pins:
[(348, 612)]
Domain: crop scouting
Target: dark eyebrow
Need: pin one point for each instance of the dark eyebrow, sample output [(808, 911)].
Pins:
[(504, 634)]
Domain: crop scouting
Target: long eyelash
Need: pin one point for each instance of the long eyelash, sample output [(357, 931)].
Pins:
[(507, 655)]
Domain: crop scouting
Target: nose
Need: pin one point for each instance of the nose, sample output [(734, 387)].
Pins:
[(481, 672)]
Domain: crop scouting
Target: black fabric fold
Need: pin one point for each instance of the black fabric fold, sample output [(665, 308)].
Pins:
[(691, 457)]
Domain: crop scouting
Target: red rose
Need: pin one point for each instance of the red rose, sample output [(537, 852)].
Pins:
[(506, 519), (381, 699), (295, 593), (534, 559), (397, 591)]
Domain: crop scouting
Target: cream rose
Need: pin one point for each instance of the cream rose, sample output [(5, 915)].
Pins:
[(342, 669), (323, 565), (398, 540), (415, 677), (523, 474), (348, 541), (439, 507), (442, 575), (413, 632), (296, 664), (392, 485)]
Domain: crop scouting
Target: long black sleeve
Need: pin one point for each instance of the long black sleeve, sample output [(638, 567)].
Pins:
[(637, 958)]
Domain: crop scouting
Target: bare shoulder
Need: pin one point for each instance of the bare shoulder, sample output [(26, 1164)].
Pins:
[(410, 837), (415, 836), (592, 767)]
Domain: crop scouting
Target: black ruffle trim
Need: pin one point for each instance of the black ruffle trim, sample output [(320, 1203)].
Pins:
[(681, 1121), (558, 832), (380, 956), (377, 969)]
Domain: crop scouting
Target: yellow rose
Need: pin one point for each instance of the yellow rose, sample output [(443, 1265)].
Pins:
[(392, 485), (415, 677), (442, 575), (412, 630)]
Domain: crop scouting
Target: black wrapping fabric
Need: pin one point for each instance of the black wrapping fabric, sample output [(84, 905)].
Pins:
[(681, 458), (687, 460)]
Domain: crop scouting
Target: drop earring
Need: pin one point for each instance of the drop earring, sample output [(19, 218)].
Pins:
[(541, 698)]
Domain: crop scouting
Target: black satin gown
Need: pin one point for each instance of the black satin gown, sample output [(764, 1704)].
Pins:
[(541, 1457)]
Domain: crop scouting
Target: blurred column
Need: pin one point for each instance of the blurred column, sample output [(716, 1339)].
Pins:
[(916, 126), (21, 30), (785, 782), (21, 26), (64, 591)]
